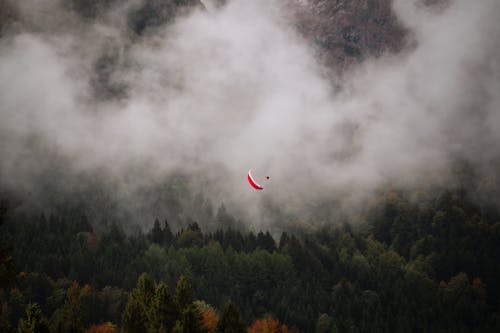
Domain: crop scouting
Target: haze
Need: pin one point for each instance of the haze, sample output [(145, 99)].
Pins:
[(217, 92)]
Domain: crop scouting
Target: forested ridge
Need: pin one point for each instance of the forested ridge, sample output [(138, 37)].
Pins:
[(412, 265), (127, 127)]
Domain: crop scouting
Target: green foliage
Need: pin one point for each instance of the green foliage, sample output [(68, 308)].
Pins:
[(325, 324), (183, 293), (415, 265), (35, 321), (156, 234), (178, 327), (191, 236), (5, 325), (164, 310), (135, 318), (192, 320), (7, 271), (151, 308), (70, 317), (230, 321)]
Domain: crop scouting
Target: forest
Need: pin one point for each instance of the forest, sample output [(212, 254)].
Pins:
[(425, 265), (127, 129)]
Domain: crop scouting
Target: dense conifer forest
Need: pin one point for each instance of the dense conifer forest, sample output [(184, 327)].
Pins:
[(127, 129), (426, 265)]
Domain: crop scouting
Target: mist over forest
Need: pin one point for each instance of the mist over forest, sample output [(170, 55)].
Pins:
[(128, 127)]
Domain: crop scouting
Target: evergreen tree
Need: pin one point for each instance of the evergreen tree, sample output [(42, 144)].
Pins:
[(178, 327), (190, 237), (35, 321), (5, 312), (145, 289), (164, 312), (223, 218), (7, 272), (183, 293), (168, 236), (135, 317), (71, 315), (265, 241), (192, 320), (284, 239), (250, 242), (230, 321), (156, 234), (325, 324), (116, 233)]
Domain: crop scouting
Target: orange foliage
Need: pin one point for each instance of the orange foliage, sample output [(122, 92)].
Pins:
[(268, 325), (78, 292), (477, 282), (209, 319), (86, 289), (107, 327)]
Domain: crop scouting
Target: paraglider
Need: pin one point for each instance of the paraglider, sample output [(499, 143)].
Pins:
[(252, 181)]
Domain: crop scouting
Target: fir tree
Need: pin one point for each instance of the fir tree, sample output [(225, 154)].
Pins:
[(183, 293), (230, 321), (164, 312), (35, 321), (135, 318), (156, 235)]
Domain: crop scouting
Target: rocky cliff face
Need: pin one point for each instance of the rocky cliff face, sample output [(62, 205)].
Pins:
[(7, 16), (342, 32), (345, 32), (154, 13)]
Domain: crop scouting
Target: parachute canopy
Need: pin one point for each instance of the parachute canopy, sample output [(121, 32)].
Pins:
[(252, 181)]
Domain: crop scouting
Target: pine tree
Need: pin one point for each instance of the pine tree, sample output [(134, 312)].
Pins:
[(71, 315), (183, 293), (230, 321), (145, 289), (7, 272), (284, 239), (135, 317), (35, 321), (168, 236), (224, 220), (178, 327), (116, 233), (192, 320), (5, 312), (164, 312), (266, 241), (156, 235), (250, 242)]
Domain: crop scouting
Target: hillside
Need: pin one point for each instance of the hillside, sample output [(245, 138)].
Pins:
[(128, 129)]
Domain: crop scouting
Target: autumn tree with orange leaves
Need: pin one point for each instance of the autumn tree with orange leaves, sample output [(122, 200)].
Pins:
[(268, 325), (106, 327), (209, 316)]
